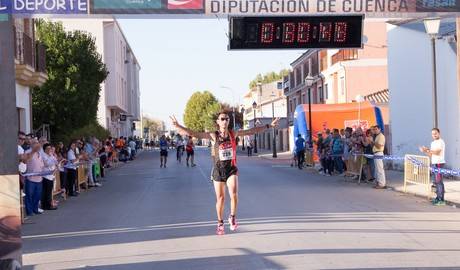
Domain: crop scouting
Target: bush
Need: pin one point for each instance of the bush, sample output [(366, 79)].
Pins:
[(91, 130)]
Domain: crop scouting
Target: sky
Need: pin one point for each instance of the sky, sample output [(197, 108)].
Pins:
[(181, 56)]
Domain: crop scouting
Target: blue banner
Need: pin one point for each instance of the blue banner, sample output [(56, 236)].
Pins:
[(43, 7)]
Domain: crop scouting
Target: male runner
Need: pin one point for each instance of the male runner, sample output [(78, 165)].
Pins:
[(163, 151), (225, 172)]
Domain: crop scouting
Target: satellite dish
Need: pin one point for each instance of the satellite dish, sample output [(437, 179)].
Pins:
[(365, 39)]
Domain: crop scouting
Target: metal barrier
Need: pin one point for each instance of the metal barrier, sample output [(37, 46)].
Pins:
[(82, 176), (355, 166), (57, 184), (417, 171), (309, 158)]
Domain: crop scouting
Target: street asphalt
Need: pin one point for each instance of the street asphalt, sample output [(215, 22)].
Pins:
[(145, 217)]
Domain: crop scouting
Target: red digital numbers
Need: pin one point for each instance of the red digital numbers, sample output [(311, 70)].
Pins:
[(268, 30), (340, 32), (325, 32), (289, 31), (303, 33)]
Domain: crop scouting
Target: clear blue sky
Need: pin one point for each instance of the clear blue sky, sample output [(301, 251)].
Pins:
[(179, 57)]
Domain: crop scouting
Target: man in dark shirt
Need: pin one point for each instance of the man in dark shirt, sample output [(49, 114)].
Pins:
[(300, 148)]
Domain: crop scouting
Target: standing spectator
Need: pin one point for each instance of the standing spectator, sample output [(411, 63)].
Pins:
[(437, 154), (248, 142), (327, 151), (61, 154), (190, 149), (347, 146), (300, 150), (369, 164), (379, 145), (337, 151), (51, 164), (132, 145), (33, 184), (72, 161)]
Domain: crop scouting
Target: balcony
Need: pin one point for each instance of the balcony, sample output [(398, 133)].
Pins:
[(345, 55), (30, 61)]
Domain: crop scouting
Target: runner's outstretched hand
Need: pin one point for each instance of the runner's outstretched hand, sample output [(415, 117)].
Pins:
[(275, 122), (174, 121)]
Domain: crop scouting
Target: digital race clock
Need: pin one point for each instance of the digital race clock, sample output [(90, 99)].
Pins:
[(296, 32)]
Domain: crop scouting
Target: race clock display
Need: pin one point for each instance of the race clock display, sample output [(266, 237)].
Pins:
[(295, 32)]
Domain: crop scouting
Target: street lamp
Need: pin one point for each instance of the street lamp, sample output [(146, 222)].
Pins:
[(242, 113), (432, 29), (309, 82), (254, 107), (359, 99), (274, 129)]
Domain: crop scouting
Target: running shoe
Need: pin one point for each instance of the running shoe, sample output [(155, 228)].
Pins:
[(233, 223), (439, 203), (220, 229)]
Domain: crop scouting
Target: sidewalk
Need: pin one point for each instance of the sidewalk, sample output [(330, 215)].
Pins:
[(395, 180)]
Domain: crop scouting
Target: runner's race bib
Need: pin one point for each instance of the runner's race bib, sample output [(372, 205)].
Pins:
[(225, 152)]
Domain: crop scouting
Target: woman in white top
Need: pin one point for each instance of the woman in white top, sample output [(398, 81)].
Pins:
[(51, 164), (437, 154), (71, 169)]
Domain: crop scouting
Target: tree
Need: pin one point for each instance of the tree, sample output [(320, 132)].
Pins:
[(155, 126), (268, 77), (200, 112), (69, 99)]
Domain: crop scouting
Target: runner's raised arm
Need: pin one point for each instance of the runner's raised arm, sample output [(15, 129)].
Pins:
[(186, 131), (255, 130)]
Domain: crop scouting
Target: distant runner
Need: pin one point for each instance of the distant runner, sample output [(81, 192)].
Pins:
[(225, 171), (190, 149), (163, 151)]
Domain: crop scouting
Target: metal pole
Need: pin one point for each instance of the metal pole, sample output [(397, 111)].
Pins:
[(234, 124), (435, 90), (309, 119), (274, 130), (10, 196), (255, 135)]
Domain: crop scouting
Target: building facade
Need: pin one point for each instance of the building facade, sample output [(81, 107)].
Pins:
[(411, 91), (270, 101), (30, 65), (119, 103)]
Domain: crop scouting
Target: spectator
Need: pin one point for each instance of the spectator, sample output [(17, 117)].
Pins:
[(61, 154), (51, 164), (347, 146), (33, 184), (132, 145), (190, 149), (248, 142), (300, 150), (437, 154), (328, 162), (369, 167), (379, 145), (337, 151), (72, 162)]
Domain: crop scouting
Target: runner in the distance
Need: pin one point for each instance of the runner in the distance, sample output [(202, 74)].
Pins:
[(225, 172), (163, 151)]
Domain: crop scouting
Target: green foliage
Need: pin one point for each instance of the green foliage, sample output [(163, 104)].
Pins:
[(201, 110), (268, 77), (90, 130), (69, 99)]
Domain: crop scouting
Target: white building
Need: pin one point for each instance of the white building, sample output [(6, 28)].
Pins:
[(411, 94), (270, 99), (119, 104), (30, 67)]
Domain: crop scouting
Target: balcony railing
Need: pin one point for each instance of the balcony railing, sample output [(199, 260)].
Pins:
[(345, 55), (24, 49)]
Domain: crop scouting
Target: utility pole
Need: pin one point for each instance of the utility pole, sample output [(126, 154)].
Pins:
[(9, 179)]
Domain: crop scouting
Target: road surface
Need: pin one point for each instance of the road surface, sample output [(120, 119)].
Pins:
[(145, 217)]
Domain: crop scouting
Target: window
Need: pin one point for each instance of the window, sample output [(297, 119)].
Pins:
[(326, 91)]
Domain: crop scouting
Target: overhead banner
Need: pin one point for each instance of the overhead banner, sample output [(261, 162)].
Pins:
[(212, 8), (317, 7)]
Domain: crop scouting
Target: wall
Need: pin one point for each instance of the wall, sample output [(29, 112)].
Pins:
[(23, 102), (410, 82)]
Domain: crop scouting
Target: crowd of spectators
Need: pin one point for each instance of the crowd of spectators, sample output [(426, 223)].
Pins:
[(40, 162), (350, 153)]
